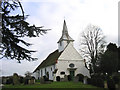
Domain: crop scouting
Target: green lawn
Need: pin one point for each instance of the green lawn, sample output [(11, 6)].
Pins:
[(54, 85)]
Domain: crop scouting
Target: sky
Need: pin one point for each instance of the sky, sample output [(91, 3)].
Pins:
[(51, 14)]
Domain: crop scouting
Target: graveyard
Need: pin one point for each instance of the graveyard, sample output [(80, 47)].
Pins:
[(17, 81), (53, 85)]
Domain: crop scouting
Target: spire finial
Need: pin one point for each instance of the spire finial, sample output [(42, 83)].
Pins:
[(64, 17)]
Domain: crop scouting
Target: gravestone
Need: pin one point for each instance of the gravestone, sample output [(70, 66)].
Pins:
[(15, 79), (76, 79), (26, 80), (42, 81), (4, 80), (31, 80), (85, 79), (65, 79), (21, 79)]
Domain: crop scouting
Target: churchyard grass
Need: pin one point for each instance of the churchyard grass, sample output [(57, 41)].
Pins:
[(54, 85)]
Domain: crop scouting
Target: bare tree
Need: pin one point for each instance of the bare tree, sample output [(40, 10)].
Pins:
[(92, 45)]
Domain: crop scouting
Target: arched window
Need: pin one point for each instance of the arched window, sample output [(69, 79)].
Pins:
[(41, 73), (45, 71), (62, 72), (71, 65)]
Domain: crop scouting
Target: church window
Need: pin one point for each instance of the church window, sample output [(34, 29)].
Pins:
[(41, 73), (51, 68), (52, 73), (54, 67), (62, 72), (45, 71), (71, 65), (38, 73)]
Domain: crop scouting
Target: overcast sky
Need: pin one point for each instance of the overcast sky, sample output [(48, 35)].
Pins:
[(51, 14)]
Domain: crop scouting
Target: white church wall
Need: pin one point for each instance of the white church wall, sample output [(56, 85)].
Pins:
[(63, 65), (49, 69), (35, 74), (70, 53), (62, 45)]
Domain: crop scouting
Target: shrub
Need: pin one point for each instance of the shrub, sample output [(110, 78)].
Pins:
[(116, 79), (93, 81), (9, 81), (58, 78), (88, 81), (111, 84), (81, 77), (99, 82), (37, 80)]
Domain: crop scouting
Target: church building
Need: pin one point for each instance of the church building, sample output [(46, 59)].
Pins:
[(63, 61)]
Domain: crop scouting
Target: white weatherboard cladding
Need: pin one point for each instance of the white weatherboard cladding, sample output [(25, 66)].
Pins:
[(36, 74), (49, 69), (70, 53)]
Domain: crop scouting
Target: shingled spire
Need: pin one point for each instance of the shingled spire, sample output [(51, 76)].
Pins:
[(65, 38)]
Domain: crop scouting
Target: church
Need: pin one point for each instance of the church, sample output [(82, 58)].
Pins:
[(63, 61)]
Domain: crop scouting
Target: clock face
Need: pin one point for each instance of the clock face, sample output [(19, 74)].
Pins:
[(71, 65)]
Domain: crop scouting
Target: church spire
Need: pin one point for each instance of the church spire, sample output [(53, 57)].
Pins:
[(65, 35), (65, 38), (65, 31)]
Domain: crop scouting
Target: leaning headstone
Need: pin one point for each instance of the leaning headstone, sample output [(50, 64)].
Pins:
[(76, 79), (15, 79)]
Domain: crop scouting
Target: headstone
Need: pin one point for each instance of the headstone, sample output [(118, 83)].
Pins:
[(15, 79), (26, 80), (42, 81), (21, 80), (31, 80), (4, 80), (76, 79), (85, 80), (65, 79)]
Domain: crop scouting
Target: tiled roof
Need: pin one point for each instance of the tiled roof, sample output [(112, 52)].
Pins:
[(50, 60)]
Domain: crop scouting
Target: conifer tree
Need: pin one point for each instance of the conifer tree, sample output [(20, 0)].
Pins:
[(14, 28)]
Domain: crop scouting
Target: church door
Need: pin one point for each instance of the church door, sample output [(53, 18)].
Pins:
[(72, 74)]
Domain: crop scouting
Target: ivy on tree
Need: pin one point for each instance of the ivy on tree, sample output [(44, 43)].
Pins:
[(14, 28)]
